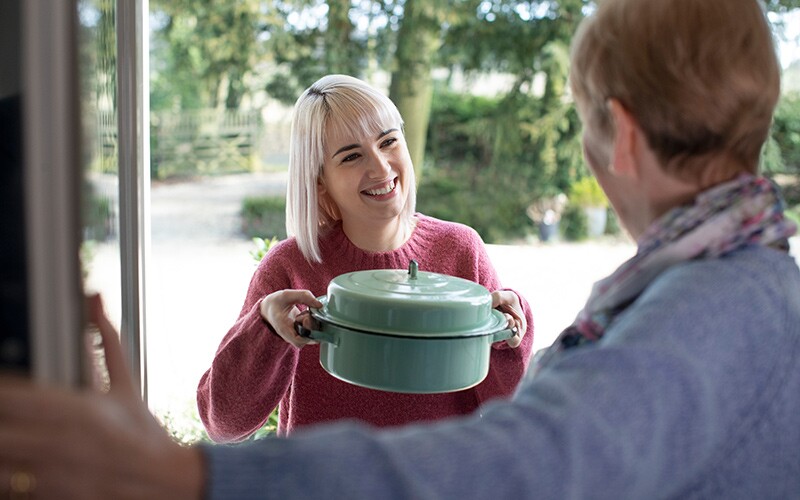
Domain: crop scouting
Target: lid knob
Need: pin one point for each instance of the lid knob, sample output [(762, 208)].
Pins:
[(413, 267)]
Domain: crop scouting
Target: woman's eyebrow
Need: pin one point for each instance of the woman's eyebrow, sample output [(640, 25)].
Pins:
[(354, 146), (345, 148)]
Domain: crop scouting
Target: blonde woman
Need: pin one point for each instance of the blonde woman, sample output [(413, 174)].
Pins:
[(350, 207)]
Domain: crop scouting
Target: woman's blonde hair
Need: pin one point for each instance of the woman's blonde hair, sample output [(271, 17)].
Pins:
[(701, 77), (342, 103)]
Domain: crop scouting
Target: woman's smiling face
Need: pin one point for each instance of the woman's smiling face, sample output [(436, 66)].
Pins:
[(366, 177)]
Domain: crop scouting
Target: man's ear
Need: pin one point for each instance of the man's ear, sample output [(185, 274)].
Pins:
[(627, 138)]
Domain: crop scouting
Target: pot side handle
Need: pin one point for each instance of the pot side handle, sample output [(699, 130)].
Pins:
[(315, 334), (504, 334)]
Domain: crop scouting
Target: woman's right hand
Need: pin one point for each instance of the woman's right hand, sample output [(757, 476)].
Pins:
[(279, 309)]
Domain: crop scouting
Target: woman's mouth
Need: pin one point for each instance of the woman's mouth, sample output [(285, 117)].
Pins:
[(382, 190)]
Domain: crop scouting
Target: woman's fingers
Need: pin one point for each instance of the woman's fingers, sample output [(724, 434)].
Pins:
[(304, 322), (508, 302), (515, 340), (289, 298), (280, 310)]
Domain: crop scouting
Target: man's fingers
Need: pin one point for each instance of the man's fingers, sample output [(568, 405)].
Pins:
[(121, 380)]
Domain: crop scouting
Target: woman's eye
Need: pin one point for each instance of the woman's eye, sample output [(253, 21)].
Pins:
[(388, 142), (350, 157)]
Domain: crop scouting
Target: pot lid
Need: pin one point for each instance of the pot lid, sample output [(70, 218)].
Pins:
[(409, 303)]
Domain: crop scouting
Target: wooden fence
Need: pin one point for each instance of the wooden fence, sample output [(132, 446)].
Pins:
[(198, 142), (203, 142)]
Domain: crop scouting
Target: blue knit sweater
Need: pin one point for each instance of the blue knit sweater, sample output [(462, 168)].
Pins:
[(694, 392)]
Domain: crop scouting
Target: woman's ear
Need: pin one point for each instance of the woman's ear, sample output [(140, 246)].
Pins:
[(325, 202), (627, 140)]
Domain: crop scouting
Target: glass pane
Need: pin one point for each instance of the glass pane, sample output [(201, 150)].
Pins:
[(100, 252), (210, 151)]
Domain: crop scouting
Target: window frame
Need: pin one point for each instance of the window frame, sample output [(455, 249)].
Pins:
[(133, 111)]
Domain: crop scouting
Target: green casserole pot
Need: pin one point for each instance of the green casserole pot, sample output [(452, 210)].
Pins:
[(407, 330)]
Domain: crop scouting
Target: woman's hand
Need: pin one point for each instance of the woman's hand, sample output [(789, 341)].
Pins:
[(280, 310), (508, 302), (62, 443)]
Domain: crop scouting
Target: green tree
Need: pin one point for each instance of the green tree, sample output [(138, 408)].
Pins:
[(305, 45), (418, 40), (203, 51), (782, 6), (786, 136), (529, 132)]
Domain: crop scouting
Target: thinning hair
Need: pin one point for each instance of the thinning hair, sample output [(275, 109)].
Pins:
[(334, 102), (701, 77)]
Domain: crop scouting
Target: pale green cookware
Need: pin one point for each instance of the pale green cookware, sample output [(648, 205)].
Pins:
[(407, 330)]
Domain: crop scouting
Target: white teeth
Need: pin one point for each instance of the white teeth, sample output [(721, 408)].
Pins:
[(386, 190)]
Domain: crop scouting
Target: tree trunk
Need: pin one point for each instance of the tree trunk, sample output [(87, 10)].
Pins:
[(412, 87), (339, 50)]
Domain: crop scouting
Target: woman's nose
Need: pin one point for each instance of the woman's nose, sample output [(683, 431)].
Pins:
[(379, 165)]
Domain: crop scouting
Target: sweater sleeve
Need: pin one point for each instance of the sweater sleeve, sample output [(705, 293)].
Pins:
[(252, 368)]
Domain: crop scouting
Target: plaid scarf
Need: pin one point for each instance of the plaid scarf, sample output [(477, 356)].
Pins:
[(745, 211)]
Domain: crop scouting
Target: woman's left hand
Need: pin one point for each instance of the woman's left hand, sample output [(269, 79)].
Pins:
[(508, 302)]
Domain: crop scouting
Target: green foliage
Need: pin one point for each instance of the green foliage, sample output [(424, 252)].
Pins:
[(782, 5), (206, 53), (612, 223), (96, 213), (265, 215), (495, 156), (88, 251), (461, 127), (782, 152), (305, 51), (574, 225), (772, 160), (493, 205), (505, 36), (262, 247), (781, 155), (793, 214), (586, 192), (185, 427), (269, 428), (203, 53)]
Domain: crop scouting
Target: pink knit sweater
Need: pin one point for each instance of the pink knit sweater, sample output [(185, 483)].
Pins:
[(254, 369)]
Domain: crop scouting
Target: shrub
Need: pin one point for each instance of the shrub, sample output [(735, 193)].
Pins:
[(492, 157), (793, 214), (494, 205), (612, 223), (586, 192), (98, 214), (782, 154), (185, 427), (264, 216), (574, 226), (262, 247)]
